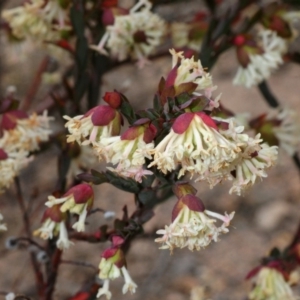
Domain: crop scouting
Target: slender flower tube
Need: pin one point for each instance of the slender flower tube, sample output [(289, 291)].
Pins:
[(53, 224), (112, 266), (77, 200)]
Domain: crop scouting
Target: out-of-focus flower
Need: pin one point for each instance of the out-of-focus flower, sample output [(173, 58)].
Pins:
[(134, 35), (2, 226), (82, 158), (77, 200), (194, 143), (11, 163), (190, 34), (38, 19), (100, 122), (192, 226), (270, 284), (23, 132), (112, 266), (53, 224), (10, 296), (128, 151), (279, 127), (258, 59), (280, 19)]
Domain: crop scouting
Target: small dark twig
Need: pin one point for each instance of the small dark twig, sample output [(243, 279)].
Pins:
[(38, 274), (268, 95), (79, 263)]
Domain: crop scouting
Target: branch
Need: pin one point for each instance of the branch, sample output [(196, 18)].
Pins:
[(36, 267)]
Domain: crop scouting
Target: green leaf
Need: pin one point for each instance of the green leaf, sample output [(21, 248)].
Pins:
[(93, 177), (127, 185), (127, 110), (147, 196)]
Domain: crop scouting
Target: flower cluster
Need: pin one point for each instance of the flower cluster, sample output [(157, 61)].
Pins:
[(189, 35), (112, 266), (39, 20), (258, 58), (270, 284), (279, 127), (21, 134), (191, 225), (133, 34), (78, 200)]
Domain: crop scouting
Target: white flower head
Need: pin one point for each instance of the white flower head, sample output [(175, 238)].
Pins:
[(128, 151), (24, 132), (11, 163), (196, 145), (134, 35), (38, 21), (191, 226), (258, 62), (286, 128)]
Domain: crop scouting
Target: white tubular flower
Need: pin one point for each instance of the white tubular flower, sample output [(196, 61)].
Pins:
[(286, 128), (255, 158), (99, 122), (129, 285), (63, 241), (112, 266), (11, 163), (25, 132), (134, 35), (36, 20), (104, 290), (2, 226), (195, 144), (271, 285), (258, 61), (53, 224), (78, 200), (128, 151), (191, 226)]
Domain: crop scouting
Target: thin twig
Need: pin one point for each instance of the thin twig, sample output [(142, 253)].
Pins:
[(80, 263), (38, 274), (35, 83)]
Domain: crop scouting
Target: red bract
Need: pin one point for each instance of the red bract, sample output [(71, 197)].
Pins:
[(9, 119), (81, 193)]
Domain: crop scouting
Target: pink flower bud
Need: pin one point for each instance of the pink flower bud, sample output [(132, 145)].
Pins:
[(191, 202), (9, 119), (113, 99), (3, 155), (82, 193)]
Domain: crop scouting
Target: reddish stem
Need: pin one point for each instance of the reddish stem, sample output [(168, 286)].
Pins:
[(35, 83), (36, 267)]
